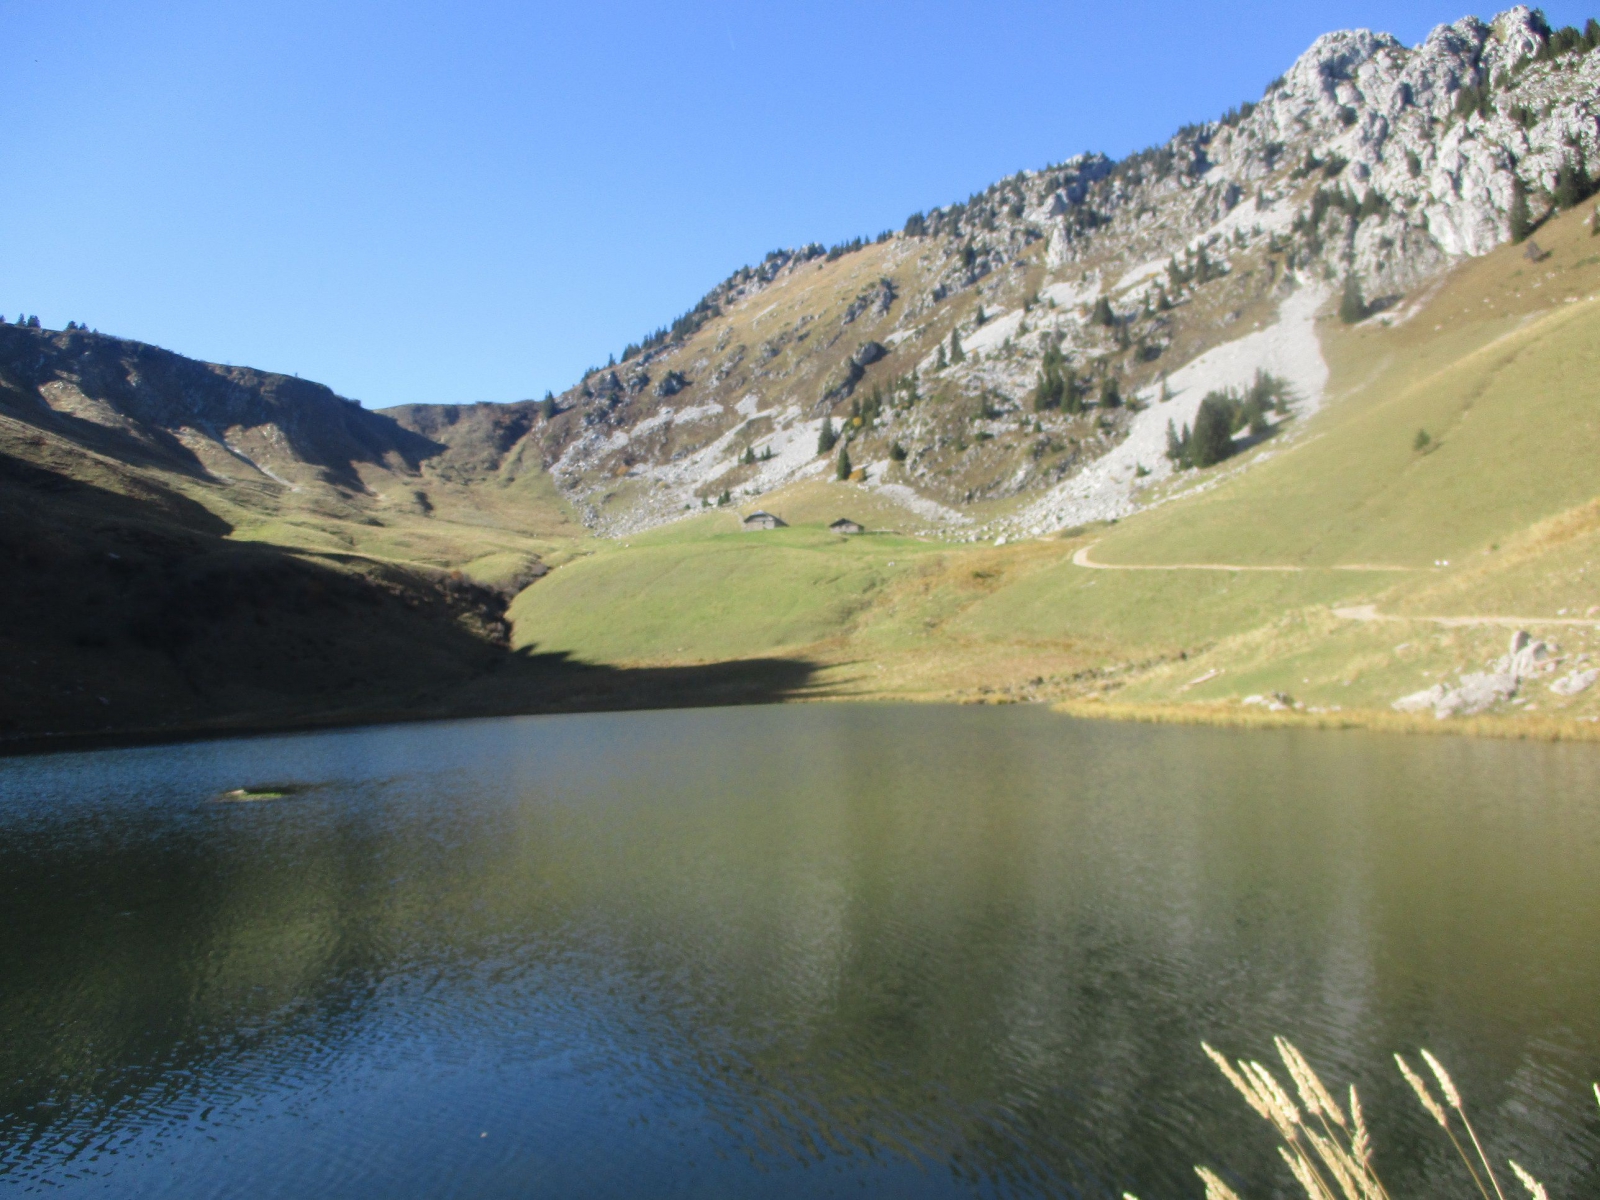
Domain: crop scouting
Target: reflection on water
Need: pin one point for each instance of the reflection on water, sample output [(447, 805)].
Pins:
[(781, 951)]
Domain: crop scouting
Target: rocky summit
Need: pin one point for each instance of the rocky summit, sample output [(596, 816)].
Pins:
[(1368, 166)]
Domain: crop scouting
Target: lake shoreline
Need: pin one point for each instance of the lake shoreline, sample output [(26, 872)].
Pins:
[(1230, 715)]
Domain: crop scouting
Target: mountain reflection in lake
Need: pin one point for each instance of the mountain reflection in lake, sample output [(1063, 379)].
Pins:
[(893, 951)]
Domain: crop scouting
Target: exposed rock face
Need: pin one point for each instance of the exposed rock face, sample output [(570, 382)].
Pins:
[(1186, 267), (1575, 682), (1396, 117), (1367, 158), (1479, 691)]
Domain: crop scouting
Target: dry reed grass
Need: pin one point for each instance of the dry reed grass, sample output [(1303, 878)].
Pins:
[(1530, 728), (1327, 1148)]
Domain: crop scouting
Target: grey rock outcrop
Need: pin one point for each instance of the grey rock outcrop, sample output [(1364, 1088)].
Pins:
[(1576, 681), (1479, 691)]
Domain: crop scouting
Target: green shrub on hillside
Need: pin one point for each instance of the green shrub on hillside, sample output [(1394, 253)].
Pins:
[(1471, 100), (1573, 185)]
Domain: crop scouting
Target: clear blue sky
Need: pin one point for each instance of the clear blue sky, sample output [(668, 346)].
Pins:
[(474, 200)]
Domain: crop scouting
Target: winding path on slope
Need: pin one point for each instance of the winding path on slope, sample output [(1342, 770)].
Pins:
[(1359, 612), (1082, 559)]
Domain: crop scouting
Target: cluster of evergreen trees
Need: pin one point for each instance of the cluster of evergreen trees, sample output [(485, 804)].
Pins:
[(1567, 39), (1058, 386), (1325, 199), (1220, 416), (955, 356), (1196, 268), (28, 322)]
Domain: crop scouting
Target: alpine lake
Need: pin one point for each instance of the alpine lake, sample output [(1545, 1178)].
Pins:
[(811, 950)]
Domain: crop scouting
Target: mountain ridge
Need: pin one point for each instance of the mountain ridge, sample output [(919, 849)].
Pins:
[(207, 546)]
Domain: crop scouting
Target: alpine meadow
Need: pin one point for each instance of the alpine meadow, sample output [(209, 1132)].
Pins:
[(878, 730)]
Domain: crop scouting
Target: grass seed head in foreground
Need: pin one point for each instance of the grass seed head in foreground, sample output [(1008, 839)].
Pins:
[(1327, 1148)]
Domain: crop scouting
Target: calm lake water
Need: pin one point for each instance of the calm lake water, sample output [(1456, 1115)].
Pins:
[(800, 951)]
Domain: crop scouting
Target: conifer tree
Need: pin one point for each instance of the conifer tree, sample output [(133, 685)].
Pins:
[(1071, 393), (843, 470), (1352, 306), (547, 406), (1521, 223), (940, 363), (1110, 393), (826, 437), (749, 458), (1051, 390), (957, 354), (1573, 186), (1213, 431)]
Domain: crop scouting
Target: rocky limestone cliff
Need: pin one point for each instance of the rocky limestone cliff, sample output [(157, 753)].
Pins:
[(1367, 160), (996, 349)]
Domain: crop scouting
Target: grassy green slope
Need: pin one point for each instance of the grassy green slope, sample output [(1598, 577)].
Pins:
[(707, 591), (1499, 366), (1510, 398)]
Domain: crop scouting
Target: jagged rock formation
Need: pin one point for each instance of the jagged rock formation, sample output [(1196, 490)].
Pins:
[(1001, 347), (1367, 160)]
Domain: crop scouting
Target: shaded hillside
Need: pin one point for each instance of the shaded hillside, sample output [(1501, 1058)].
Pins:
[(472, 440), (129, 613), (150, 406)]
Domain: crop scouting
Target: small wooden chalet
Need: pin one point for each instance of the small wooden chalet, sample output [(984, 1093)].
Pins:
[(764, 520), (846, 525)]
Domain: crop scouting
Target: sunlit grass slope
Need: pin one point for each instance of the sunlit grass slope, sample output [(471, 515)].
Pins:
[(711, 591), (1500, 371), (1494, 515)]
